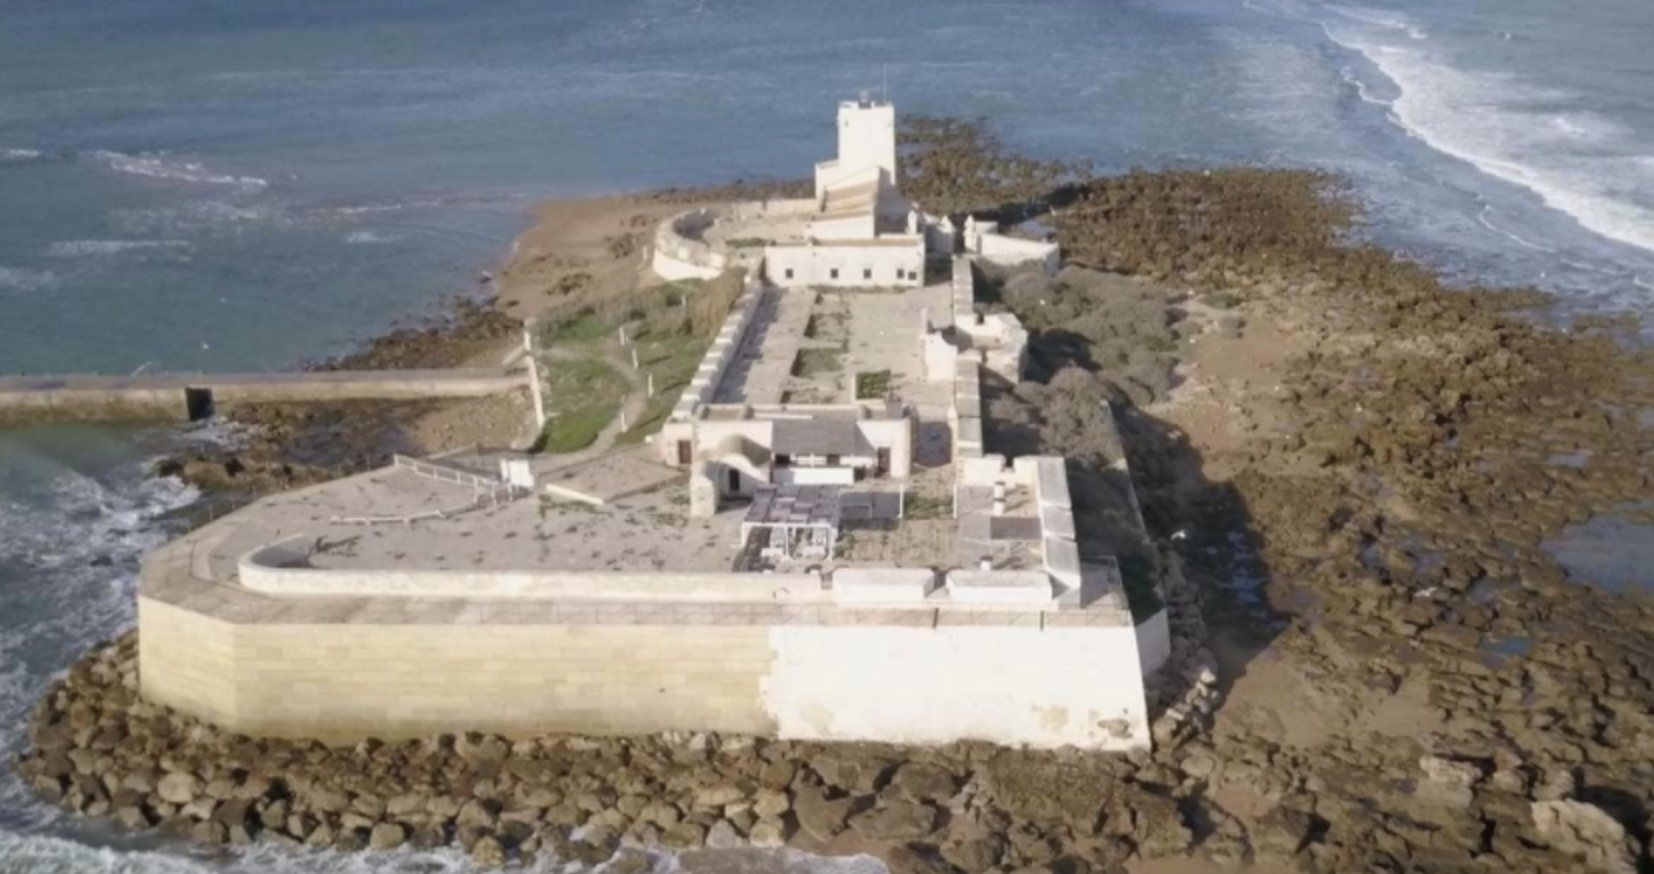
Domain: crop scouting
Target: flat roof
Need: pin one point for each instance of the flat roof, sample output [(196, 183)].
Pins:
[(794, 505)]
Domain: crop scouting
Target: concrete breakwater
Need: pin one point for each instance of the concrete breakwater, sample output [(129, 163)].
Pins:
[(190, 396)]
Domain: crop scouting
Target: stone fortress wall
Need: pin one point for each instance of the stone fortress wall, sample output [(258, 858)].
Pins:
[(361, 663)]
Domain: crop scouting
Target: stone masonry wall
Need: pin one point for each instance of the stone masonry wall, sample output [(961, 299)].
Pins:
[(342, 682)]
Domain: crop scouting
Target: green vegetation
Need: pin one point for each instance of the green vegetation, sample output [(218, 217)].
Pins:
[(669, 325), (672, 359), (582, 396), (748, 243), (874, 385), (920, 507), (811, 362)]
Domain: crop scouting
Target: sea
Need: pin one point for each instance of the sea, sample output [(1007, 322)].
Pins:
[(208, 185)]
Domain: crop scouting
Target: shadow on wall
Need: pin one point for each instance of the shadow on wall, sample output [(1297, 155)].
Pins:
[(1182, 541)]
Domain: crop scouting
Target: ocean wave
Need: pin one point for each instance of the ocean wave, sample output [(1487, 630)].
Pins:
[(1381, 18), (1349, 76), (1576, 162), (80, 538), (95, 248), (18, 279), (367, 238), (18, 156), (157, 167)]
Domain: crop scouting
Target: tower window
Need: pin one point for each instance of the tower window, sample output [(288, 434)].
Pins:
[(833, 273), (789, 273), (867, 273)]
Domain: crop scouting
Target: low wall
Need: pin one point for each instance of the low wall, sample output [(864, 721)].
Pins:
[(680, 254), (1011, 251), (277, 569)]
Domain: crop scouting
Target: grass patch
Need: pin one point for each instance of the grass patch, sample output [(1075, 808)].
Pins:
[(673, 361), (811, 362), (1222, 300), (748, 243), (582, 397), (873, 385), (920, 507), (586, 327)]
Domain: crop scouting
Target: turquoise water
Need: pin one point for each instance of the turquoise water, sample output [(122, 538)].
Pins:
[(201, 185)]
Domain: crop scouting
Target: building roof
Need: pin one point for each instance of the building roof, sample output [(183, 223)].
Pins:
[(814, 437), (794, 505)]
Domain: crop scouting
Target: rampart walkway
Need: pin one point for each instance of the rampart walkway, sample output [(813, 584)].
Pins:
[(188, 396)]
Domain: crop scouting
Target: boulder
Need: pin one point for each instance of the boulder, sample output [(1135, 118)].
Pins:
[(818, 815), (478, 813), (974, 854), (895, 821), (768, 833), (770, 803), (923, 781), (178, 788), (1282, 831), (387, 836), (778, 774), (684, 836), (487, 852), (724, 836), (1587, 833)]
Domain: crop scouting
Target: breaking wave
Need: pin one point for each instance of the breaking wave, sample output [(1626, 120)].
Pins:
[(157, 167), (18, 279), (19, 156), (94, 248), (74, 552)]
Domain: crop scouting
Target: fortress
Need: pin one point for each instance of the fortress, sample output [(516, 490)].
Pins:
[(805, 559)]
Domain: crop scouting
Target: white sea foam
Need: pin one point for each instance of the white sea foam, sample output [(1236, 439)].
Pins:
[(159, 167), (1350, 77), (367, 238), (18, 279), (96, 248), (18, 156), (1381, 18), (82, 539), (1487, 222), (1577, 162)]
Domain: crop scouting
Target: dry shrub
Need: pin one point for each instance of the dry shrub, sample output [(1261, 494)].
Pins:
[(712, 303)]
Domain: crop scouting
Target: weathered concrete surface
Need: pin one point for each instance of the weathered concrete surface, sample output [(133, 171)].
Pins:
[(182, 396)]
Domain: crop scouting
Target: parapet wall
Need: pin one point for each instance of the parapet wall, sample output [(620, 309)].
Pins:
[(681, 252), (725, 348)]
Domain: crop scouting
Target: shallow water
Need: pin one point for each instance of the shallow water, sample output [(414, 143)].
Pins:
[(193, 185), (1615, 552)]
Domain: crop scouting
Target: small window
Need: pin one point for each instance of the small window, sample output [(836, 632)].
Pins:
[(833, 461), (789, 273), (783, 460), (867, 273), (833, 273), (900, 273)]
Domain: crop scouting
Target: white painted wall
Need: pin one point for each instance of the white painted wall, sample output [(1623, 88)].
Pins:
[(1052, 687), (814, 265)]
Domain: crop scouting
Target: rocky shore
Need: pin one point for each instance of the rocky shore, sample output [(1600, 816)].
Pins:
[(1353, 474)]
